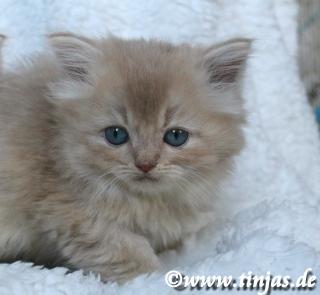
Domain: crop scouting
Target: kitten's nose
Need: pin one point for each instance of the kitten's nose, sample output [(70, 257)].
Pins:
[(145, 167)]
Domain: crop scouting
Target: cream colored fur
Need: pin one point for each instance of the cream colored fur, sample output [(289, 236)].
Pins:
[(69, 198)]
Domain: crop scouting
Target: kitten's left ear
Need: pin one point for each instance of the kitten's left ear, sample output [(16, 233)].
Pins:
[(75, 53), (225, 62)]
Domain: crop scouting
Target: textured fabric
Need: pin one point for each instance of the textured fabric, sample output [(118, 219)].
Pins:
[(268, 215)]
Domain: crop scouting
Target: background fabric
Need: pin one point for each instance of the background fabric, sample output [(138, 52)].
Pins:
[(268, 216)]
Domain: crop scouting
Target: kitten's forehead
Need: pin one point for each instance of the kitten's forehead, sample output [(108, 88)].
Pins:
[(146, 95), (149, 72)]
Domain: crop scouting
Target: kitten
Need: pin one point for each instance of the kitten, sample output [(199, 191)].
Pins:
[(111, 151)]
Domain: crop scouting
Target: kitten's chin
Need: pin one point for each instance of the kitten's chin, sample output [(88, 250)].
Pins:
[(149, 185), (145, 183), (140, 179)]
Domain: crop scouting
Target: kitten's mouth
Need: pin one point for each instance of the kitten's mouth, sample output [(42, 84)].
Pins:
[(145, 178)]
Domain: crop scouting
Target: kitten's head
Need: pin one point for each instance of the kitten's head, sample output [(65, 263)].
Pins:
[(146, 116)]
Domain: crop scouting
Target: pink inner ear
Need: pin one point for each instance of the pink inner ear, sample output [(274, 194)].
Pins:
[(75, 53), (226, 72), (226, 61)]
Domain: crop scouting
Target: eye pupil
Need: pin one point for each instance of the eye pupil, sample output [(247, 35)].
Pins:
[(116, 135), (176, 137)]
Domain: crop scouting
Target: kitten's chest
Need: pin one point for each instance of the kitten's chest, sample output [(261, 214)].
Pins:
[(166, 227)]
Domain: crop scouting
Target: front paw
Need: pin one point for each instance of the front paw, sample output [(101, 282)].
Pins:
[(125, 270)]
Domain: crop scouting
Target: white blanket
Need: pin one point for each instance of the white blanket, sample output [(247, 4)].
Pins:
[(269, 214)]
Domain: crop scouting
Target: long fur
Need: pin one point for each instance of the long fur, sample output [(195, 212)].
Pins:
[(69, 198)]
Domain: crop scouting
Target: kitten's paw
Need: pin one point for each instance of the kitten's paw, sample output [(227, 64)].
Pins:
[(124, 271)]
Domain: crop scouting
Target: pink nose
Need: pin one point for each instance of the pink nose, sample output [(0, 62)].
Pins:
[(145, 167)]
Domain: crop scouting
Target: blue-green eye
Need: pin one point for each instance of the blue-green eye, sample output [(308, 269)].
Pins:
[(176, 137), (116, 135)]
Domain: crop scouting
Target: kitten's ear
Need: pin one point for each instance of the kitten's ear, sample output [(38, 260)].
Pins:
[(225, 62), (75, 53)]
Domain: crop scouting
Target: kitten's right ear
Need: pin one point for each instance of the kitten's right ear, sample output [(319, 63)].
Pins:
[(75, 53), (225, 62)]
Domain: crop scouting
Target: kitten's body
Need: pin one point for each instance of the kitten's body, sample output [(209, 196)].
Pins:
[(68, 198)]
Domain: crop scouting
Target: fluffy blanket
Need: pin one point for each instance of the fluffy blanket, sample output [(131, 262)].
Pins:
[(269, 217)]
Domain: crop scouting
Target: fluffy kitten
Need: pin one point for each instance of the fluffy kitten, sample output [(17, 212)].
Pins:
[(111, 150)]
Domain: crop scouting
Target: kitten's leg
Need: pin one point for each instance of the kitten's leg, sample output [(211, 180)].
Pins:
[(15, 235), (117, 254), (87, 239)]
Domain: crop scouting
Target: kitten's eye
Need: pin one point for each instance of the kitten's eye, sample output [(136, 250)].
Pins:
[(176, 137), (116, 135)]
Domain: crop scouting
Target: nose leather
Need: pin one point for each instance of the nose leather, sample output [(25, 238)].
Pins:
[(145, 167)]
